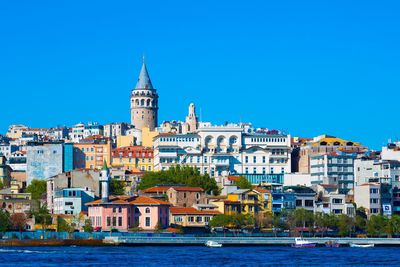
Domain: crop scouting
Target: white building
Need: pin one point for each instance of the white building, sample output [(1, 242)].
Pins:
[(333, 169), (115, 129), (233, 148), (76, 133)]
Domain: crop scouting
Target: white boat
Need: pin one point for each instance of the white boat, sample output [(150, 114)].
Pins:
[(213, 244), (353, 245), (301, 243)]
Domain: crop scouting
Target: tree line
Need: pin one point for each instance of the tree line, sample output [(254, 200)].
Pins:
[(299, 221)]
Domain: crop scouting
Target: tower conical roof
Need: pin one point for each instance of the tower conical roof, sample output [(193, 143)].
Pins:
[(105, 165), (144, 81)]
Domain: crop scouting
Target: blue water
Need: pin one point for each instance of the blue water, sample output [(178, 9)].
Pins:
[(197, 256)]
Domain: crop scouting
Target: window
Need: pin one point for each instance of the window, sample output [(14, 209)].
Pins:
[(337, 201), (298, 203), (309, 203), (147, 221), (246, 159), (254, 170), (114, 220), (120, 210), (199, 219), (254, 159), (374, 211), (374, 191), (191, 219), (178, 218), (147, 210), (119, 221), (374, 201), (108, 221), (263, 159), (246, 170), (207, 219)]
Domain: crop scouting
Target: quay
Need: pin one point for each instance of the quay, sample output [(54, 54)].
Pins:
[(240, 241)]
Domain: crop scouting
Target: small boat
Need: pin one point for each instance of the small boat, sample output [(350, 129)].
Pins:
[(332, 244), (301, 243), (213, 244), (353, 245)]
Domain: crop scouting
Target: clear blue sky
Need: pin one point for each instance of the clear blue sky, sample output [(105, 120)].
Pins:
[(307, 67)]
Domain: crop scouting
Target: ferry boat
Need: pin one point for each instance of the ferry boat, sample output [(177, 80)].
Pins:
[(213, 244), (353, 245), (332, 244), (301, 243)]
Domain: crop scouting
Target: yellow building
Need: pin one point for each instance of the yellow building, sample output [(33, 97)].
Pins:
[(134, 158), (148, 136), (251, 202), (125, 140), (91, 152)]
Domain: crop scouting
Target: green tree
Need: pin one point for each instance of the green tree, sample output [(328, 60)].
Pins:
[(1, 185), (87, 227), (243, 183), (376, 225), (221, 220), (4, 221), (345, 225), (232, 221), (37, 188), (179, 175), (42, 217), (117, 187), (393, 226), (64, 226)]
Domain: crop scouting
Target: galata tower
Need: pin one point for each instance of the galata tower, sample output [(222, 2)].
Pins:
[(144, 102)]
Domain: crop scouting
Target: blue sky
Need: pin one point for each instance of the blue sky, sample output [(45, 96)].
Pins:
[(307, 67)]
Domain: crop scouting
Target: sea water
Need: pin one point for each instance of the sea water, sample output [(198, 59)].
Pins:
[(197, 256)]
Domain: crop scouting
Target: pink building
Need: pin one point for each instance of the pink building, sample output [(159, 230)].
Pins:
[(125, 212)]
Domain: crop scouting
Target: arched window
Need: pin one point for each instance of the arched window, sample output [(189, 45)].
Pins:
[(142, 102), (137, 102), (148, 102), (147, 210)]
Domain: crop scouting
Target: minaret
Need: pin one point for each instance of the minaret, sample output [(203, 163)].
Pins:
[(144, 102), (104, 180), (191, 119)]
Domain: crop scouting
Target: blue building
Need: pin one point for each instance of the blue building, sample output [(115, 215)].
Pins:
[(72, 200), (283, 201), (68, 164)]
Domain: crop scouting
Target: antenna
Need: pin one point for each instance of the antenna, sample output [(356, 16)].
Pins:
[(201, 115)]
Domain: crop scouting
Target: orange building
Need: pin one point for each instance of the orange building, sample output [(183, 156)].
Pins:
[(134, 158), (91, 152)]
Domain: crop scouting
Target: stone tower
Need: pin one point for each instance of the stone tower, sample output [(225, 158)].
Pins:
[(144, 102), (104, 181), (191, 119)]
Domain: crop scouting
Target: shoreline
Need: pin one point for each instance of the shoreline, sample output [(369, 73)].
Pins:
[(192, 241)]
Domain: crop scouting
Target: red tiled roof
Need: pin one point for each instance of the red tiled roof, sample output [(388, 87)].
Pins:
[(156, 189), (182, 210), (233, 178), (142, 200), (164, 188), (261, 190), (187, 189)]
